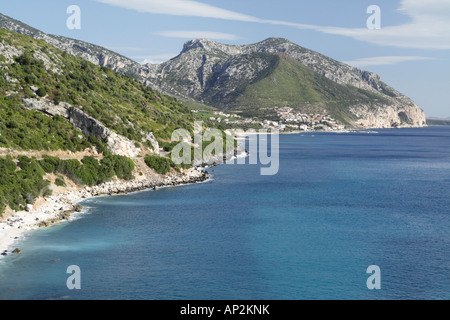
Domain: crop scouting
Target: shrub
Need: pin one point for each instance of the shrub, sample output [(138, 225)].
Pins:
[(123, 167), (91, 171), (124, 105), (47, 192), (41, 92), (100, 145), (159, 164), (57, 98), (60, 182), (28, 92), (26, 59), (30, 166), (19, 187), (69, 167), (49, 164), (12, 124), (31, 130)]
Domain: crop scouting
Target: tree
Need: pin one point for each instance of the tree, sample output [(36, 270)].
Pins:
[(41, 92)]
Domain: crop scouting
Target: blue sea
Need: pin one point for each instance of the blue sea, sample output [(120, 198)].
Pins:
[(339, 204)]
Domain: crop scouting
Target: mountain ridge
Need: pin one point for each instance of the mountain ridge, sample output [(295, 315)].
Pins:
[(210, 72), (190, 76), (93, 53)]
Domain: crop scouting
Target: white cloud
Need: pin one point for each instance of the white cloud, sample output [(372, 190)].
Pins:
[(384, 60), (428, 28), (420, 9), (192, 34), (181, 8)]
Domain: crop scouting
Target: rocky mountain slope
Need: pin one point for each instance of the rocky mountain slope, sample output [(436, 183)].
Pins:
[(261, 76), (121, 111), (278, 73), (90, 52), (102, 123)]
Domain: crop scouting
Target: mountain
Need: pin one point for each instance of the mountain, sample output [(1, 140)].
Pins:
[(438, 121), (256, 78), (279, 73), (90, 52), (129, 116)]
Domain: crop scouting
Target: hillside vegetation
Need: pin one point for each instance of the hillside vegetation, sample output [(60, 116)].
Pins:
[(22, 183), (291, 84), (122, 104), (24, 129), (31, 68)]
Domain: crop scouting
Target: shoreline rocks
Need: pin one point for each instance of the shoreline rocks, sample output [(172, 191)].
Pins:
[(57, 208)]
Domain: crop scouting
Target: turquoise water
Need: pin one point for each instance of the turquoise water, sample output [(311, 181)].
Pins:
[(340, 203)]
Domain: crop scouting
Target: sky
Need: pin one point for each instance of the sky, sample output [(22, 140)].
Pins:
[(410, 50)]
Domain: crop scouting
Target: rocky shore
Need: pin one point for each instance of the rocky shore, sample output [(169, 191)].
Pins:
[(61, 206)]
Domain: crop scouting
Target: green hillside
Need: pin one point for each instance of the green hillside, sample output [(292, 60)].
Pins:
[(121, 103), (292, 84), (24, 129), (287, 83), (32, 68)]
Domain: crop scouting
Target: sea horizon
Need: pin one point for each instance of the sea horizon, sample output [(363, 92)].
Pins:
[(340, 204)]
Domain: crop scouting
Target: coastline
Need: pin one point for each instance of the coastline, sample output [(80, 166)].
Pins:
[(61, 205)]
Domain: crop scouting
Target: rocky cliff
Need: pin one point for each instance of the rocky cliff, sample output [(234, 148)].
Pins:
[(236, 77), (117, 144)]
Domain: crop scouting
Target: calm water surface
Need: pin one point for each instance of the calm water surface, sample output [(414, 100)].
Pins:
[(340, 203)]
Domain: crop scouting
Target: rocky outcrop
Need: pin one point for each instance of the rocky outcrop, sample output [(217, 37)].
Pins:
[(218, 159), (388, 116), (9, 52), (117, 144), (150, 137), (47, 107), (207, 71), (92, 53), (111, 188), (62, 216)]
